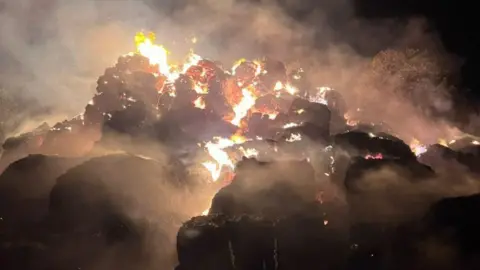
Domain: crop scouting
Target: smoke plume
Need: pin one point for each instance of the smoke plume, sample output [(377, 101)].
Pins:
[(54, 50)]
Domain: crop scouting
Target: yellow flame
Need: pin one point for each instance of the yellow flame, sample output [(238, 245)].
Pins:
[(156, 54), (291, 89), (443, 142), (278, 86), (199, 103), (217, 153), (258, 68), (213, 168), (350, 121), (238, 139), (272, 116), (237, 63), (242, 108), (200, 89), (192, 60), (417, 148), (220, 158), (320, 95)]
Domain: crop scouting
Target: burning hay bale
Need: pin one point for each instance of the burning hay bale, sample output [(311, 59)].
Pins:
[(129, 121), (314, 115), (264, 149), (308, 130), (362, 144), (144, 96)]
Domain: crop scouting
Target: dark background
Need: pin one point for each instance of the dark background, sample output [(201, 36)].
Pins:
[(456, 23)]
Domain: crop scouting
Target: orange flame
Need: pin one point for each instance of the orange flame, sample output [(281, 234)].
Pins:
[(376, 156), (217, 152), (241, 95), (156, 54)]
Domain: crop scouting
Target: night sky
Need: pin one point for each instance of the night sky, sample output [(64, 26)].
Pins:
[(454, 21)]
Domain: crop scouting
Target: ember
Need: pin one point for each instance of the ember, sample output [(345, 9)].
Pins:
[(376, 156)]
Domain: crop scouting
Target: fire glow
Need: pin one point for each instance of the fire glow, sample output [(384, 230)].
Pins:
[(242, 94), (241, 106)]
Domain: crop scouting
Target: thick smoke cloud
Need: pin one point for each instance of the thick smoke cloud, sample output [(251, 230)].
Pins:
[(56, 49), (53, 50), (387, 195)]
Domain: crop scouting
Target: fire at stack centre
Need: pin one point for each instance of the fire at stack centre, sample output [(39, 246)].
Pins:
[(256, 109)]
